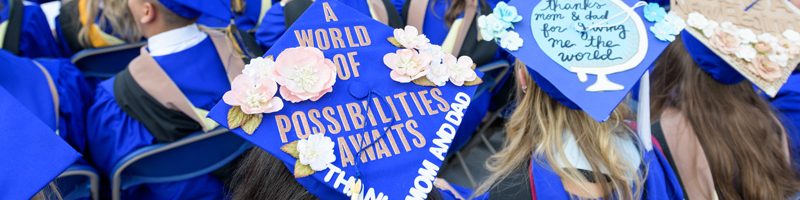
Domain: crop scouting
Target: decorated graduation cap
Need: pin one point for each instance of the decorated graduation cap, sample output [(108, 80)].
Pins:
[(352, 107), (585, 54), (192, 9), (732, 40), (31, 154)]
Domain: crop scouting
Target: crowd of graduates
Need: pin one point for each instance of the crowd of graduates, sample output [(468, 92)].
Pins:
[(712, 132)]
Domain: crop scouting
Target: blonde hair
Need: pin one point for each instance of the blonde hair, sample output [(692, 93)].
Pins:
[(537, 126), (116, 15)]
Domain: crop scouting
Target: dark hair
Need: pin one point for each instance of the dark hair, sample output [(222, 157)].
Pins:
[(262, 176), (740, 135)]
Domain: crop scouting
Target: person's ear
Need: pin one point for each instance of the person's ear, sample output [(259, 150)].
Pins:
[(149, 13)]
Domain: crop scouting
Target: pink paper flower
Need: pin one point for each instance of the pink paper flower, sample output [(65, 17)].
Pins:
[(407, 65), (254, 96), (765, 68), (725, 41), (460, 70), (304, 74)]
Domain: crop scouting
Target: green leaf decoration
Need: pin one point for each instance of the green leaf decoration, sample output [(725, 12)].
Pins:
[(474, 66), (423, 81), (301, 170), (236, 117), (291, 149), (270, 57), (251, 123), (394, 42), (477, 81)]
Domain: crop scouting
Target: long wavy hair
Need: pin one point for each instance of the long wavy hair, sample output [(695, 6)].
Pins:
[(741, 136), (536, 127), (115, 16)]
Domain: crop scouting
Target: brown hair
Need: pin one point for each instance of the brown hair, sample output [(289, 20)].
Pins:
[(741, 136), (455, 9), (537, 125)]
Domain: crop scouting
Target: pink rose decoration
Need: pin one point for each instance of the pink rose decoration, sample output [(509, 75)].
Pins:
[(254, 96), (725, 41), (304, 74), (460, 70), (765, 68), (407, 65)]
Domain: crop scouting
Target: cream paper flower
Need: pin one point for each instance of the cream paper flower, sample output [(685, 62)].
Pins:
[(792, 36), (316, 151), (726, 41), (407, 65), (259, 67), (460, 69), (410, 38), (746, 36), (511, 40), (767, 44), (746, 52), (699, 21)]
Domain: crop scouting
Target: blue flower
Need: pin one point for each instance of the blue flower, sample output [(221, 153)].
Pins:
[(654, 12), (664, 31), (491, 26), (506, 13)]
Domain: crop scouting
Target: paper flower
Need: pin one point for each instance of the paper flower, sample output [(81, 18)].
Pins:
[(259, 67), (765, 69), (304, 74), (781, 59), (491, 26), (506, 13), (698, 21), (511, 40), (675, 22), (254, 96), (460, 69), (663, 31), (746, 36), (725, 41), (654, 12), (438, 72), (790, 48), (407, 65), (316, 151), (767, 44), (746, 52), (409, 37), (792, 36)]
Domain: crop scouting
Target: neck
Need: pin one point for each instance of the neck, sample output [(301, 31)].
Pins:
[(158, 28)]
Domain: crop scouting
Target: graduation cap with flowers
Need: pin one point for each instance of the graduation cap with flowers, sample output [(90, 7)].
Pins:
[(585, 54), (758, 39), (352, 107)]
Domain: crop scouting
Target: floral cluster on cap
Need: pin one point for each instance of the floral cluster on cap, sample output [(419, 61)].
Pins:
[(667, 25), (499, 25), (298, 74), (425, 64), (764, 55)]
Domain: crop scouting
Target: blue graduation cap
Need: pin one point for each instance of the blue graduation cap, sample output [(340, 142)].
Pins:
[(31, 154), (344, 121), (585, 54), (192, 9)]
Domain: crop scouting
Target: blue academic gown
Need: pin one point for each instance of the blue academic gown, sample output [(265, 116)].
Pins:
[(113, 134), (273, 25), (245, 21), (26, 82), (787, 103), (36, 39), (31, 155), (661, 182)]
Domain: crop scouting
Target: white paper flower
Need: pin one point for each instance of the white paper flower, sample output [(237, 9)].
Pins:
[(792, 36), (258, 68), (460, 69), (675, 22), (491, 26), (746, 52), (746, 36), (316, 151), (437, 73), (710, 28), (779, 58), (511, 40), (410, 38), (697, 20)]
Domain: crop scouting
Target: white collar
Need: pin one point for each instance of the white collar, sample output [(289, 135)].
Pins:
[(626, 149), (175, 40)]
